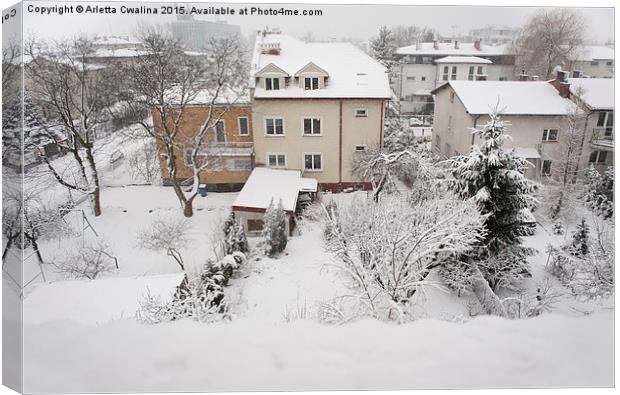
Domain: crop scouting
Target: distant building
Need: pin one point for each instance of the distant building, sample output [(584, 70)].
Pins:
[(196, 34), (494, 34), (425, 66), (535, 110), (116, 42), (596, 61)]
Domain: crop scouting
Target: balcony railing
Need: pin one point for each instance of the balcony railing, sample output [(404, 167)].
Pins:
[(603, 136), (230, 148)]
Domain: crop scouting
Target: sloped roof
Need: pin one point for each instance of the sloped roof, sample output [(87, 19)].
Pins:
[(513, 97), (464, 49), (594, 52), (596, 93), (265, 185), (352, 73), (463, 59)]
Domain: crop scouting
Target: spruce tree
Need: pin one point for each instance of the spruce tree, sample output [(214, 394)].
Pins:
[(383, 47), (274, 230), (579, 243), (234, 236), (494, 177)]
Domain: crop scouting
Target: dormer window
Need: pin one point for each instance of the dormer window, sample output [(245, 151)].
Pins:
[(311, 83), (272, 84)]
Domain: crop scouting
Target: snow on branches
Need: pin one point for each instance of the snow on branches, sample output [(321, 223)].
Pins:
[(388, 248)]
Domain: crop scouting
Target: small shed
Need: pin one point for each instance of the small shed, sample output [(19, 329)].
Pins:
[(265, 185)]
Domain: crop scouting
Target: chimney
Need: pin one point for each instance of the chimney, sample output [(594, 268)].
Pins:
[(435, 46), (456, 44), (477, 44), (417, 46), (560, 83), (560, 75)]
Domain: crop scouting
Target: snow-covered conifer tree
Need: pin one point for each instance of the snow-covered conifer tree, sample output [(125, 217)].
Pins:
[(274, 230), (494, 178), (234, 236)]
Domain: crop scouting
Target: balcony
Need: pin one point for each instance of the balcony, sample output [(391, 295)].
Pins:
[(230, 149), (603, 136)]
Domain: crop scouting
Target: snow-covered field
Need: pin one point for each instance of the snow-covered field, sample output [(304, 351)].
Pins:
[(80, 335)]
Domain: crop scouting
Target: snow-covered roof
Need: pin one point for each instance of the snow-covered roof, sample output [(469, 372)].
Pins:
[(115, 40), (464, 49), (513, 97), (352, 73), (117, 53), (596, 93), (594, 52), (204, 97), (265, 185), (463, 59)]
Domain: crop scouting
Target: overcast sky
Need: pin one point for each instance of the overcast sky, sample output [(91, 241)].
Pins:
[(338, 21)]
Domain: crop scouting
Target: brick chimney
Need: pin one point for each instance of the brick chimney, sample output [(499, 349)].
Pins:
[(560, 83), (477, 44), (435, 46)]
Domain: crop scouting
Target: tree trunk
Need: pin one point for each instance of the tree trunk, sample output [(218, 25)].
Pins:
[(488, 299), (96, 194)]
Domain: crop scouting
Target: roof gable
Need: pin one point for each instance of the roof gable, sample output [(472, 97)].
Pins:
[(312, 69), (271, 70)]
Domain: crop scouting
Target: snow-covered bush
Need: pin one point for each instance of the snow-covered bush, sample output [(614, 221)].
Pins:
[(585, 264), (200, 296), (234, 236), (387, 249), (526, 305), (494, 178), (274, 230), (458, 276), (89, 261), (558, 228), (599, 192), (166, 234)]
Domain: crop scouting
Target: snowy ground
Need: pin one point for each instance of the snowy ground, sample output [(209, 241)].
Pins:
[(80, 335)]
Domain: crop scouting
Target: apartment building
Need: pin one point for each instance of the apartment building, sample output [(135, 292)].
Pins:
[(495, 34), (595, 61), (229, 144), (314, 106), (535, 111), (595, 96), (425, 66)]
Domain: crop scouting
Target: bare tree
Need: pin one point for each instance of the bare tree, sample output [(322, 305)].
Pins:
[(409, 35), (167, 81), (563, 187), (76, 98), (551, 37), (166, 234), (381, 167), (89, 261), (144, 164)]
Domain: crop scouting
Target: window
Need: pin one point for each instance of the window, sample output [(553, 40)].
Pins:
[(502, 78), (274, 126), (239, 164), (360, 148), (423, 78), (361, 112), (313, 162), (445, 73), (453, 76), (598, 157), (188, 157), (312, 126), (550, 135), (480, 70), (470, 76), (452, 97), (610, 63), (220, 132), (546, 168), (276, 159), (427, 59), (244, 129), (438, 142), (272, 84), (255, 225), (410, 78), (594, 64), (311, 83)]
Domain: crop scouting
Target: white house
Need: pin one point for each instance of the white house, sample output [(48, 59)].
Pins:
[(596, 61), (535, 110)]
